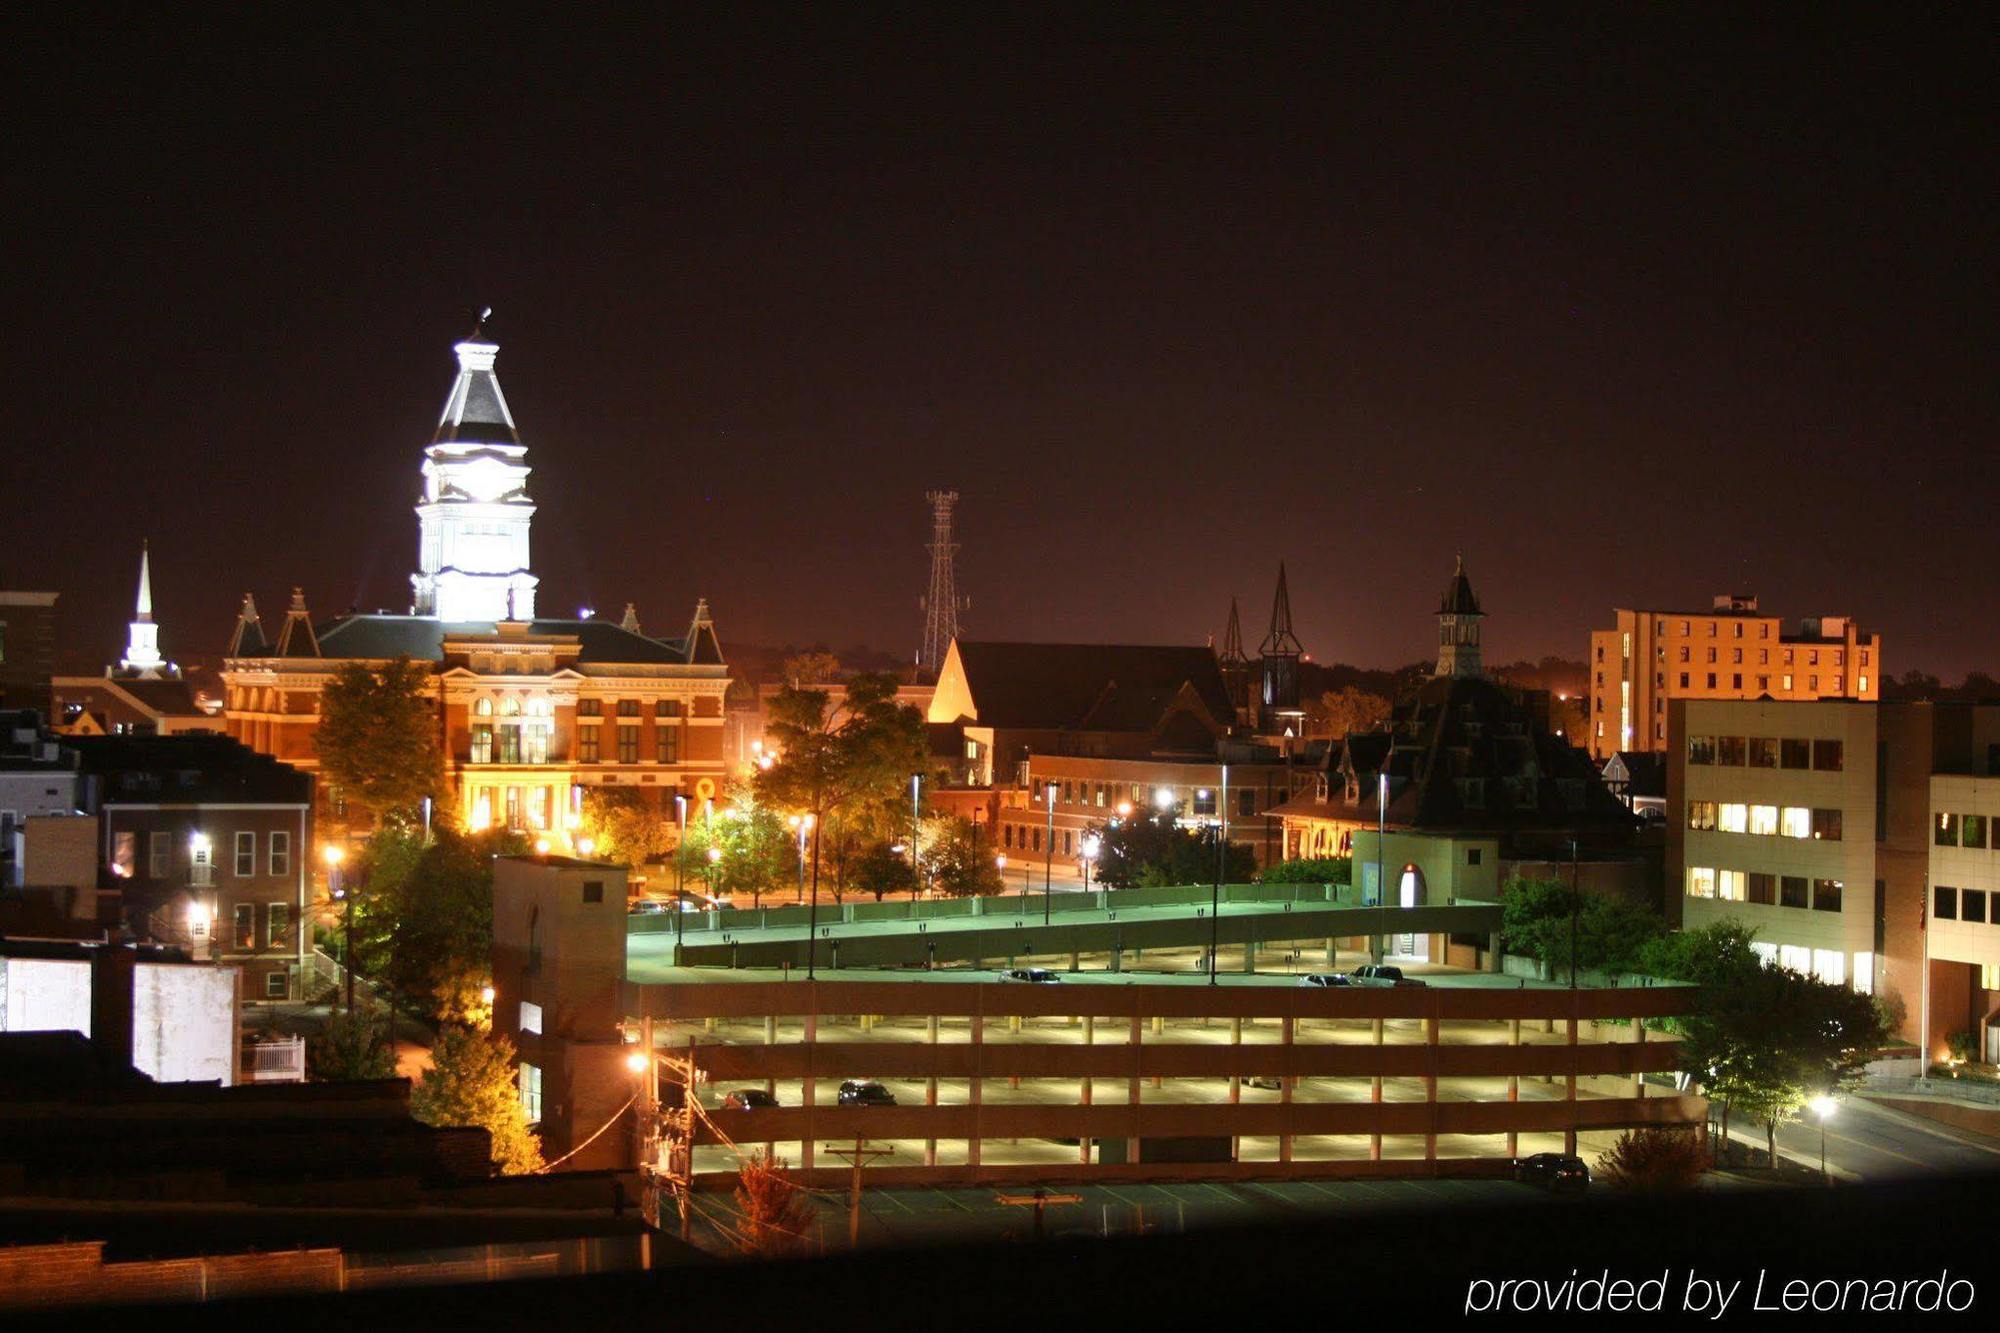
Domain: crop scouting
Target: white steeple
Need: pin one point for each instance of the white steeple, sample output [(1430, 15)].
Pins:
[(474, 514), (142, 642)]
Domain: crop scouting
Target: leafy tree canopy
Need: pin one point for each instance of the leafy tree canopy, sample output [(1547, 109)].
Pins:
[(1610, 934), (1311, 870), (954, 862), (471, 1082), (1153, 851), (627, 825), (378, 739), (754, 851)]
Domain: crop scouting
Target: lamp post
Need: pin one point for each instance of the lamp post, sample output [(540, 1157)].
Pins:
[(1221, 868), (714, 861), (812, 913), (1049, 867), (1823, 1106), (1575, 912), (1091, 846), (916, 830), (338, 893)]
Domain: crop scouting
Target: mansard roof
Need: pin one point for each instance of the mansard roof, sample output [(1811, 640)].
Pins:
[(476, 410), (1466, 753), (421, 638)]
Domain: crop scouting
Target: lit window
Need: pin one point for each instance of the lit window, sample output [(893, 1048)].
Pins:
[(1701, 882), (1701, 814), (1731, 885), (1864, 973), (1795, 957), (1795, 821), (1764, 820), (1732, 817), (531, 1017), (1830, 965), (278, 926), (531, 1093)]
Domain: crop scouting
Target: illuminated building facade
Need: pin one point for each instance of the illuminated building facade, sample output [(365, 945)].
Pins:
[(531, 710), (1650, 658)]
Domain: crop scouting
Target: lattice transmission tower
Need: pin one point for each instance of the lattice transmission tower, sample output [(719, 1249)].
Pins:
[(942, 603)]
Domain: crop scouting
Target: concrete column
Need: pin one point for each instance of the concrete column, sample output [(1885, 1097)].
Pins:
[(1117, 960), (1569, 1135), (1332, 953), (931, 1086), (811, 1086), (1236, 1045), (1076, 960), (1639, 1078), (771, 1039), (1285, 1082), (1250, 957), (1132, 1091), (1375, 1095), (1493, 952), (1431, 1088), (1084, 1091), (976, 1098)]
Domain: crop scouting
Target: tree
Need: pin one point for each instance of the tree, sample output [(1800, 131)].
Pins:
[(1346, 710), (1765, 1041), (1653, 1161), (378, 739), (776, 1213), (1710, 955), (755, 852), (880, 870), (627, 825), (1311, 870), (423, 914), (848, 767), (954, 861), (1155, 851), (471, 1083), (1539, 916), (350, 1048), (810, 668)]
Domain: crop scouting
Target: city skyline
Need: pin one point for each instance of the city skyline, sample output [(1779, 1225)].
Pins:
[(1474, 290)]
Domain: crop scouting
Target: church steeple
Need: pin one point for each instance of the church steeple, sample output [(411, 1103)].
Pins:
[(1458, 627), (142, 642), (474, 515), (1280, 653)]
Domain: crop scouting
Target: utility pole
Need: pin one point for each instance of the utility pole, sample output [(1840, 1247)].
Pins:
[(860, 1154), (1041, 1200), (1575, 911), (666, 1134)]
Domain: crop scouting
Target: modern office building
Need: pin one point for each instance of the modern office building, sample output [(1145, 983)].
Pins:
[(1857, 839), (1650, 658)]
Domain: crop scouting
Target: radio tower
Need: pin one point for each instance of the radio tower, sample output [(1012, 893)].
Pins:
[(942, 604)]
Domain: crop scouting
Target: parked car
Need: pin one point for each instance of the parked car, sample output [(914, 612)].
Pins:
[(1038, 975), (865, 1092), (1381, 974), (1271, 1081), (1329, 980), (748, 1099), (1556, 1172), (650, 907)]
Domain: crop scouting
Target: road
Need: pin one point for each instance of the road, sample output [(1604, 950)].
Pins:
[(1869, 1142)]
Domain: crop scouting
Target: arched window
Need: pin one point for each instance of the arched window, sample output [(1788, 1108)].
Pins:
[(482, 708), (510, 707)]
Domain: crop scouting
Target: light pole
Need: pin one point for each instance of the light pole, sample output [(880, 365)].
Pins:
[(680, 860), (1221, 868), (1575, 912), (812, 913), (338, 893), (1049, 867), (714, 861), (1091, 845), (916, 830), (1000, 864), (1823, 1106)]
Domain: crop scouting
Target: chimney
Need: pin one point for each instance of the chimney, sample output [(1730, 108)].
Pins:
[(111, 976)]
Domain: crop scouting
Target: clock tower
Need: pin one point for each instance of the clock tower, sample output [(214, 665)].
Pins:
[(474, 514)]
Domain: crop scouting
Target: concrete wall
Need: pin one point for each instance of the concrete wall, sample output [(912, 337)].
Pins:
[(186, 1026), (44, 995)]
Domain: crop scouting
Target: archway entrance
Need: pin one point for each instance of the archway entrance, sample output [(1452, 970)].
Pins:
[(1410, 893)]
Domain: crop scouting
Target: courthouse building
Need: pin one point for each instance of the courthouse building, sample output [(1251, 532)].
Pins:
[(531, 709)]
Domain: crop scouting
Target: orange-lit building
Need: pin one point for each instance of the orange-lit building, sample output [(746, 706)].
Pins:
[(1727, 652), (531, 710)]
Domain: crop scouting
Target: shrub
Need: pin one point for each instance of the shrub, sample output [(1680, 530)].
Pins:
[(1311, 870), (1653, 1161), (776, 1213)]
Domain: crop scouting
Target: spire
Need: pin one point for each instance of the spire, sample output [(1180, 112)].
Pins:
[(701, 645), (248, 639), (142, 641), (630, 624), (1280, 639), (145, 604), (1458, 627), (1280, 652), (297, 638), (1232, 639)]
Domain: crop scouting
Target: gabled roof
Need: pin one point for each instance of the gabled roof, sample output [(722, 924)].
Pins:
[(1086, 686), (1643, 771), (165, 697), (1458, 599)]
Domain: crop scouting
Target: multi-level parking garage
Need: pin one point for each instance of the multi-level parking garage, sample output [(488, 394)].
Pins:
[(1104, 1075)]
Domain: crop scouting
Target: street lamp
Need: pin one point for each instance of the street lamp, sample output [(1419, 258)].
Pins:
[(1049, 866), (1091, 845), (917, 830), (1163, 798), (338, 893), (1823, 1106)]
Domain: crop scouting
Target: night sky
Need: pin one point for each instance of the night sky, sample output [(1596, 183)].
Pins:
[(1629, 315)]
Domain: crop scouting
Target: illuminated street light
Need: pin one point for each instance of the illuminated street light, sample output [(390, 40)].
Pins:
[(586, 845), (1163, 797), (334, 855), (1091, 846), (541, 846), (637, 1062), (486, 995), (1823, 1106)]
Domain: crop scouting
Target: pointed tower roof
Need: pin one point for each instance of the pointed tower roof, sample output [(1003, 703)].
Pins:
[(630, 624), (701, 645), (248, 639), (1232, 639), (297, 638), (1280, 640), (1458, 599), (144, 608), (476, 412)]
